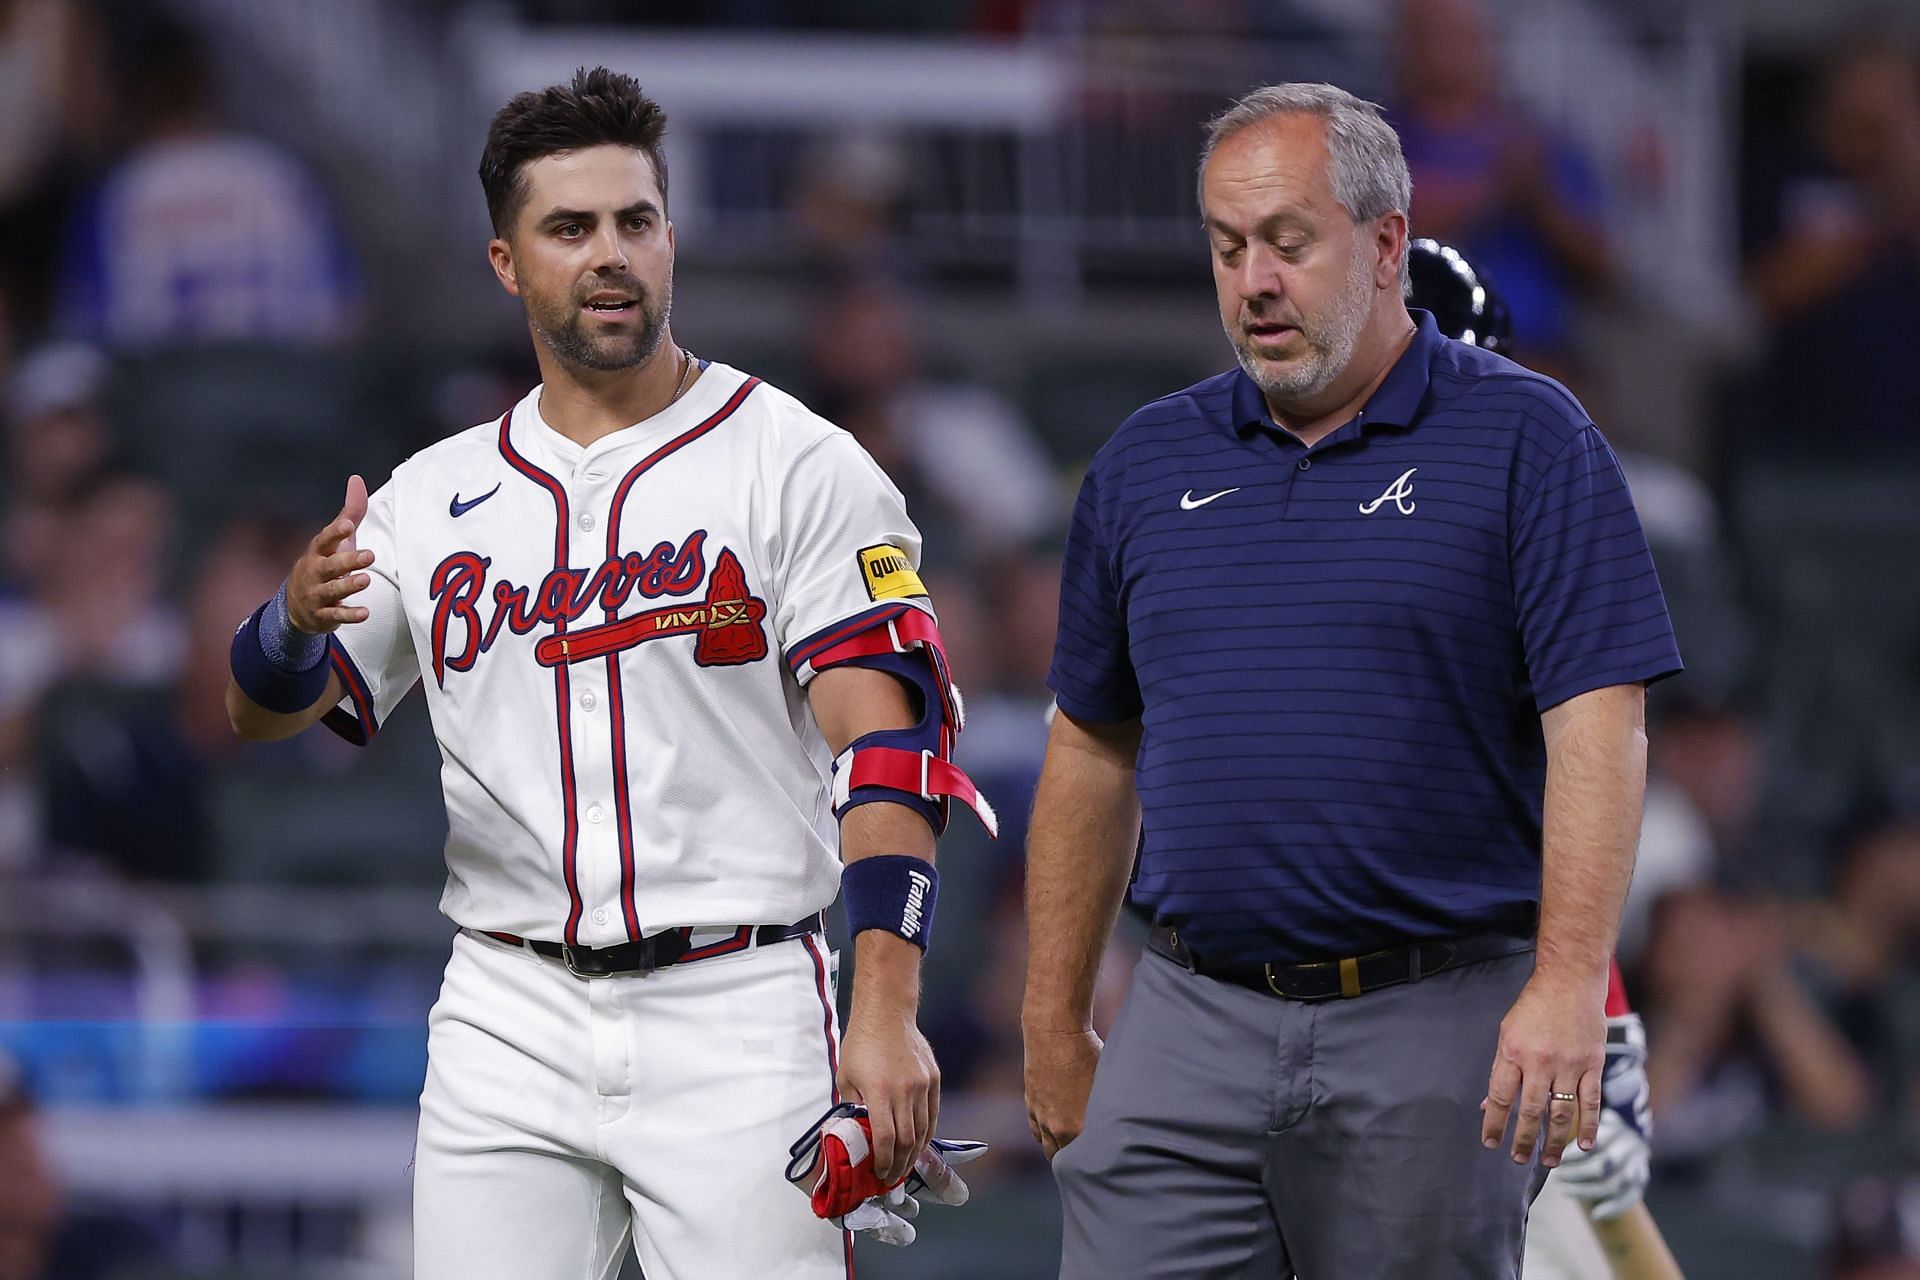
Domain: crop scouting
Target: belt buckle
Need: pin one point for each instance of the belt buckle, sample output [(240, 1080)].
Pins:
[(567, 951), (1348, 969)]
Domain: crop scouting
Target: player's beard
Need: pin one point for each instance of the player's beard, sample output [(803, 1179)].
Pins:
[(1331, 337), (563, 326)]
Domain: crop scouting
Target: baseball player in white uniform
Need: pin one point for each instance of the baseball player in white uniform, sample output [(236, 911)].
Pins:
[(680, 667)]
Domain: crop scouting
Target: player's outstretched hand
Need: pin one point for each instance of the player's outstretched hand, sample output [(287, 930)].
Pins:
[(887, 1066), (331, 570)]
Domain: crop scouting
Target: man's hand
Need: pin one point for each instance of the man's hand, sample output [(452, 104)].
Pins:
[(330, 571), (887, 1066), (1059, 1077), (1552, 1041)]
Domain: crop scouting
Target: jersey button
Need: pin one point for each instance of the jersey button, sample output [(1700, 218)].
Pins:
[(1306, 464), (599, 915), (588, 701), (586, 521), (593, 813)]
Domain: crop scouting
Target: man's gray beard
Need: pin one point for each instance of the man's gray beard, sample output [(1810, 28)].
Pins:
[(1330, 347), (569, 340)]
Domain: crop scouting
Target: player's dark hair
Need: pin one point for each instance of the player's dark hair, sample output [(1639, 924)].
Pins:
[(597, 108)]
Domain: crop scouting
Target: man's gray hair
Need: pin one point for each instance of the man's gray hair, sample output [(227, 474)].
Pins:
[(1366, 168)]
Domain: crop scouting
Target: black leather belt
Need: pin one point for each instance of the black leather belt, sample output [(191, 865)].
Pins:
[(658, 951), (1348, 977)]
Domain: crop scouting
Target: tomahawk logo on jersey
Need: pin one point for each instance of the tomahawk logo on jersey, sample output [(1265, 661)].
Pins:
[(632, 600)]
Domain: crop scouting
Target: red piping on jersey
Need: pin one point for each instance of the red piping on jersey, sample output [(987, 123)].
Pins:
[(570, 840), (616, 702), (833, 1052), (811, 647), (826, 1005), (360, 727)]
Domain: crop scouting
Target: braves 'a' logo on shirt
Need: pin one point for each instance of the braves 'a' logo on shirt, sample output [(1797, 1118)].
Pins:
[(470, 608), (1400, 493)]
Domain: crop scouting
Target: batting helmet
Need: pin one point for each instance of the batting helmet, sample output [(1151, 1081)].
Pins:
[(1464, 305)]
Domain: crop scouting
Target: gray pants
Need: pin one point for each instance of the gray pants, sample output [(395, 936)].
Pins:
[(1232, 1134)]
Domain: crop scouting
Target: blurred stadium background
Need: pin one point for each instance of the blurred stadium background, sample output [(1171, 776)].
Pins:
[(241, 255)]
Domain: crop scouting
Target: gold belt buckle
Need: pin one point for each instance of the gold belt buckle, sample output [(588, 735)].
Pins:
[(1349, 976)]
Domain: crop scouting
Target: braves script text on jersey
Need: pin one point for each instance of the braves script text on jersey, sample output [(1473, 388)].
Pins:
[(604, 783)]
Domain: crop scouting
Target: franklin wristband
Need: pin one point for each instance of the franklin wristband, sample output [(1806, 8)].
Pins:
[(276, 665), (891, 892)]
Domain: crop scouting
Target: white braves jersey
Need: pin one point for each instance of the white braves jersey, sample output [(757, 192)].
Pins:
[(613, 641)]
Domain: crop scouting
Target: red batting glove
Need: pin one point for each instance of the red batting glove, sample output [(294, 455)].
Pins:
[(842, 1165), (833, 1163)]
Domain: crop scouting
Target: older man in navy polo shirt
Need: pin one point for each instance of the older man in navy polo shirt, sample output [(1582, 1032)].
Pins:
[(1353, 646)]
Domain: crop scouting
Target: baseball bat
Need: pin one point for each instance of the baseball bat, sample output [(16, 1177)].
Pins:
[(1635, 1248)]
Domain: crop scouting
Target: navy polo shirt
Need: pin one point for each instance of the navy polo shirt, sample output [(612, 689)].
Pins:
[(1340, 654)]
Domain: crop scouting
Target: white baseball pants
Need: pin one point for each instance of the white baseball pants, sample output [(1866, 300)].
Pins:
[(563, 1116)]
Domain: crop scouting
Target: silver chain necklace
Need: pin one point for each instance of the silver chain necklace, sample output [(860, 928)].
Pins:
[(686, 373)]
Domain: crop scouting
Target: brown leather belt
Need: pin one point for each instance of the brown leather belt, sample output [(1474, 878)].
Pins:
[(675, 946), (1348, 977)]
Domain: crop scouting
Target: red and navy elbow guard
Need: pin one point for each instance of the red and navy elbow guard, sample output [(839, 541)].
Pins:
[(912, 766)]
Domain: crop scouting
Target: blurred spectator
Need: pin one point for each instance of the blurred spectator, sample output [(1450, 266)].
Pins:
[(1865, 936), (1874, 1237), (1861, 198), (1676, 852), (97, 606), (1005, 615), (128, 769), (975, 479), (54, 110), (1704, 772), (40, 1237), (1740, 1038), (847, 201), (57, 430), (1522, 203), (57, 434), (93, 612), (1864, 942), (202, 234), (1838, 274), (1705, 757), (1698, 571), (30, 1208), (1712, 754)]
